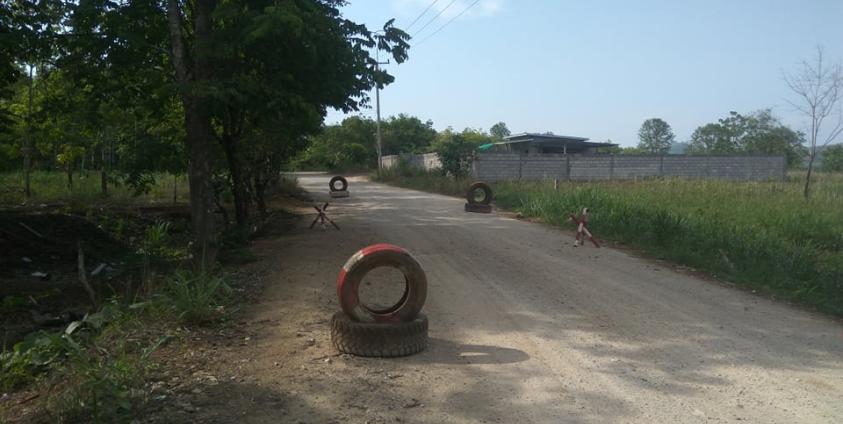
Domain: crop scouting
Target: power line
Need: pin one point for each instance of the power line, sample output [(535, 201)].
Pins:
[(421, 14), (434, 18), (446, 23)]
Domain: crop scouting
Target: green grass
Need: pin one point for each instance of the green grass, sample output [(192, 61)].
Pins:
[(51, 187), (764, 235), (423, 180)]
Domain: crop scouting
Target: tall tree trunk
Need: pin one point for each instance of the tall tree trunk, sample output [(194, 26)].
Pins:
[(27, 153), (175, 188), (807, 191), (239, 182), (104, 182), (69, 169), (197, 120)]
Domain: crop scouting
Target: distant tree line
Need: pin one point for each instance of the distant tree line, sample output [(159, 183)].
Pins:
[(351, 144), (755, 133)]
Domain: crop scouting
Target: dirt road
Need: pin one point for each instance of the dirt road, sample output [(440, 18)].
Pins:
[(524, 328)]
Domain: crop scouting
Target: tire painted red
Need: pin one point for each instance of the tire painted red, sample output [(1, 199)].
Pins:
[(375, 256)]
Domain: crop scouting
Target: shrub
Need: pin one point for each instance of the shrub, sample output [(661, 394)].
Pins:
[(196, 297)]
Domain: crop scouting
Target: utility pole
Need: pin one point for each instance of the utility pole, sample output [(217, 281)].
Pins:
[(27, 150), (378, 107)]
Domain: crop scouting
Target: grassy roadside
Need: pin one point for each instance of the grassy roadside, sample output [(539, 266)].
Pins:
[(81, 363), (760, 234), (51, 187)]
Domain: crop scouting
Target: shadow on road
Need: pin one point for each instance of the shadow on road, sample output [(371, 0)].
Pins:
[(441, 351)]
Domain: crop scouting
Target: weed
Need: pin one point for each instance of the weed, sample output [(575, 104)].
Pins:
[(196, 297)]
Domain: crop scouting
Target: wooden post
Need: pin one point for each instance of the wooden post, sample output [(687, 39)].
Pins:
[(556, 184), (611, 167), (520, 166), (83, 278)]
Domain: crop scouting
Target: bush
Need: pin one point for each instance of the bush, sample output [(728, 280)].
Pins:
[(196, 297)]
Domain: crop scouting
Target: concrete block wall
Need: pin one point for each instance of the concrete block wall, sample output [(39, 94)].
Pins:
[(427, 161), (512, 166), (498, 167), (590, 168), (631, 167), (542, 167), (389, 161)]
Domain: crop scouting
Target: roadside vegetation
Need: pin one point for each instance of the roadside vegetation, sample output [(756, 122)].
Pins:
[(48, 187), (93, 286), (764, 235)]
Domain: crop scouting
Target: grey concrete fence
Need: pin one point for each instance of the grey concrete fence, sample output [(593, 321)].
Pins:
[(513, 166)]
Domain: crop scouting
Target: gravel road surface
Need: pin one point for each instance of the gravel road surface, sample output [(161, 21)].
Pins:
[(526, 328)]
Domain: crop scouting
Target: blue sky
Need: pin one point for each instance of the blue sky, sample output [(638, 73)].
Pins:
[(599, 69)]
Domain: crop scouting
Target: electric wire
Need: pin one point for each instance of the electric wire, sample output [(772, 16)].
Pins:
[(446, 23), (434, 18), (421, 14)]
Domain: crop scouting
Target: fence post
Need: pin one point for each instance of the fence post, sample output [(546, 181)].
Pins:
[(611, 167), (784, 168), (520, 165)]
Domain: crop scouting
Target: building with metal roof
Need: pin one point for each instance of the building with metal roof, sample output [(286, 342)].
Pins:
[(531, 143)]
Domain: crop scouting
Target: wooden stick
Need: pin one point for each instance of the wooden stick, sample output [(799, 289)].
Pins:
[(83, 278), (30, 229)]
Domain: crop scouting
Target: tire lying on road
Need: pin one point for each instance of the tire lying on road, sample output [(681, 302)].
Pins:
[(473, 188), (478, 208), (376, 339), (341, 180), (375, 256)]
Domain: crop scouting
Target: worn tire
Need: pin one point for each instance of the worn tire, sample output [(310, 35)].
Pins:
[(343, 193), (487, 193), (375, 256), (478, 208), (340, 179), (378, 340)]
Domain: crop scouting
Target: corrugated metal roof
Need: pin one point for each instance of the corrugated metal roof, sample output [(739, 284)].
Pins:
[(552, 139)]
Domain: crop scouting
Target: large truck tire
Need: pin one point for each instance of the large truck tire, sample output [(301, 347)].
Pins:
[(478, 208), (341, 180), (472, 190), (377, 339), (375, 256)]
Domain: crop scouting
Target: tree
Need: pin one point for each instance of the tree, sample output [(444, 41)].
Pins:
[(250, 66), (499, 131), (349, 145), (832, 157), (407, 134), (456, 150), (756, 133), (655, 136), (818, 87), (251, 79)]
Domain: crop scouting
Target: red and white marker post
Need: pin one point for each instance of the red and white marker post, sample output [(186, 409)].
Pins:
[(582, 229)]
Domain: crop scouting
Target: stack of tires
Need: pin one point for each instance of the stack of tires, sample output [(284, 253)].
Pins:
[(398, 330), (481, 205), (341, 190)]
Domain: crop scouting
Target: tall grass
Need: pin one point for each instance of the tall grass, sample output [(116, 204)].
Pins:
[(423, 180), (51, 187), (761, 234)]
